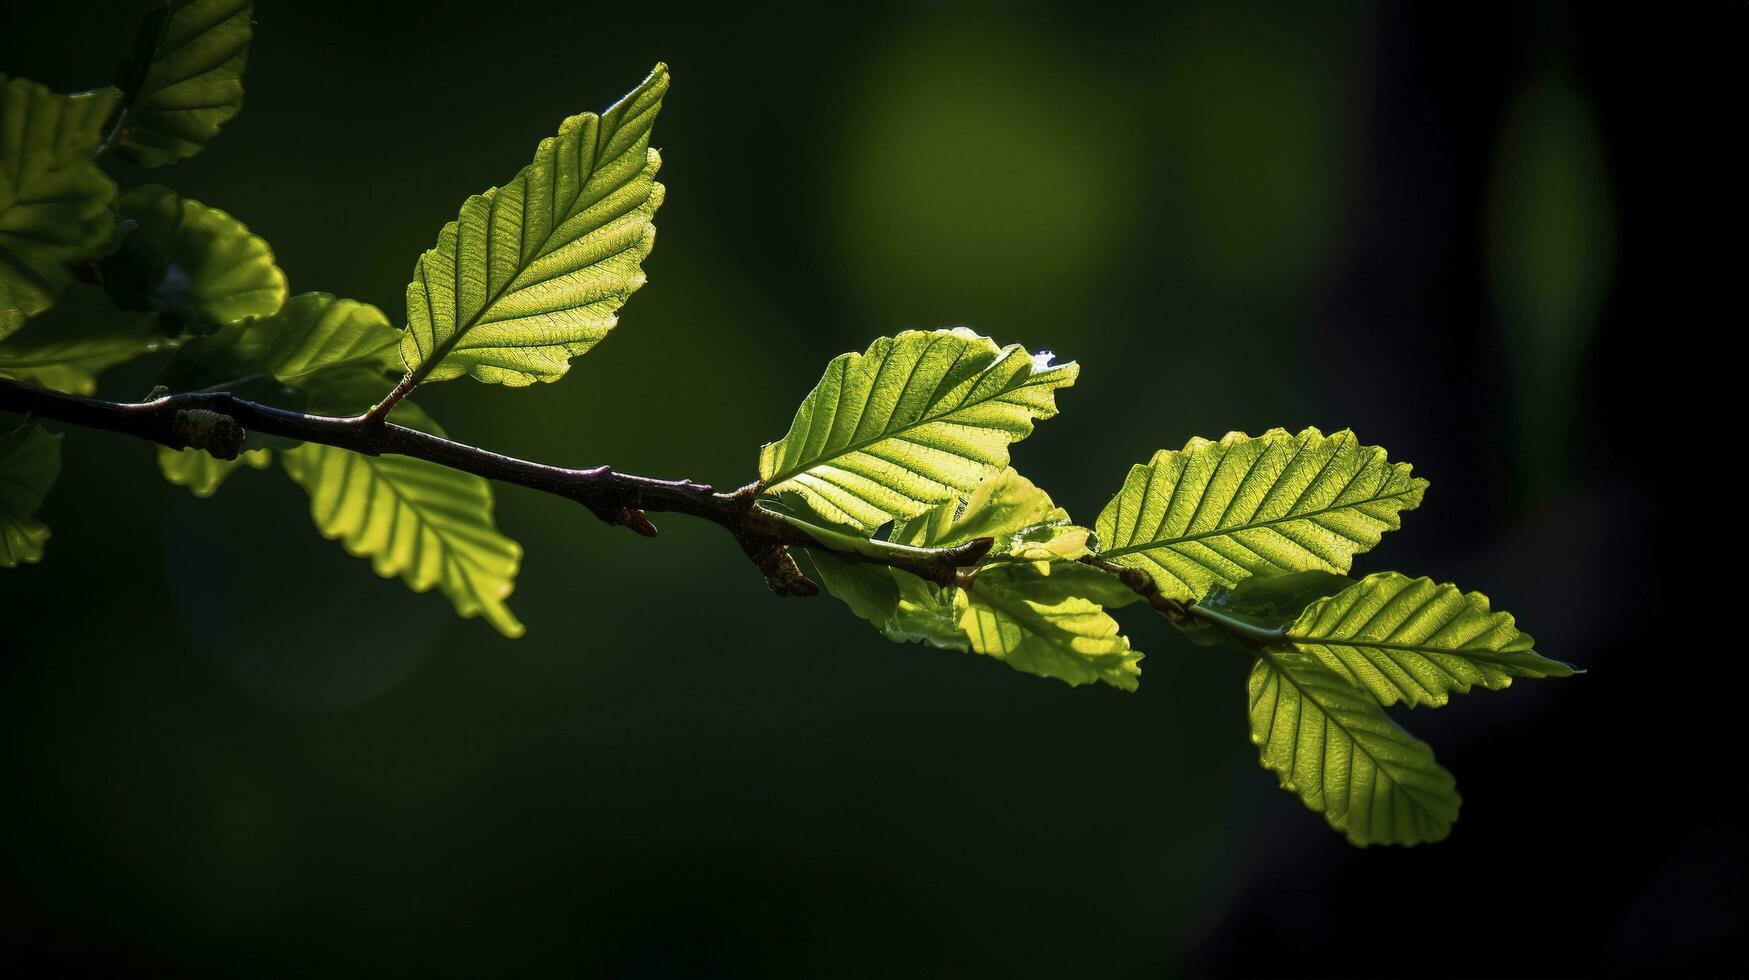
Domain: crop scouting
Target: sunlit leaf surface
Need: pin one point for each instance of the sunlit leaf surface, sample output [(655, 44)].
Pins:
[(530, 274), (1332, 744), (916, 420), (1214, 512), (1412, 640), (426, 523)]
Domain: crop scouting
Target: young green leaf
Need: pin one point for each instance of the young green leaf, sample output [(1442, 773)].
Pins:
[(1038, 616), (30, 459), (54, 201), (1033, 620), (530, 274), (916, 420), (194, 266), (313, 337), (183, 78), (1331, 743), (1008, 508), (426, 523), (1214, 512), (1416, 641), (197, 470)]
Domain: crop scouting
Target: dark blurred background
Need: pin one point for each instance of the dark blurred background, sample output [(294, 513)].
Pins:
[(1465, 231)]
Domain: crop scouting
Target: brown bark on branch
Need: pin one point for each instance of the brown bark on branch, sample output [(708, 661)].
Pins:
[(217, 422)]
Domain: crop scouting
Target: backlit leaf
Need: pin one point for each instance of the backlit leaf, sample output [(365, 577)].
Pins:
[(1032, 620), (530, 274), (914, 421), (1214, 512), (184, 78), (54, 201), (1332, 744), (1039, 616), (426, 523), (30, 459), (1412, 640), (201, 473)]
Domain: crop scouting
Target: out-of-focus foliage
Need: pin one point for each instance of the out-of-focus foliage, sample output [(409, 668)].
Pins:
[(1551, 254), (184, 78), (54, 200), (193, 266), (30, 459)]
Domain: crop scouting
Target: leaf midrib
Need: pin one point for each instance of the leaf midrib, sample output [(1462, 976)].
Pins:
[(1252, 525), (1355, 743), (860, 445), (1482, 653), (445, 348)]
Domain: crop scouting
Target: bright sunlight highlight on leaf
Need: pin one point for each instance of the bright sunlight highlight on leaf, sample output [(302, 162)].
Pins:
[(1214, 512), (530, 274), (428, 524), (914, 421), (1412, 640), (1331, 743)]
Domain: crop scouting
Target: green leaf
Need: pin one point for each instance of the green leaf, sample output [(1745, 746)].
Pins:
[(30, 459), (70, 356), (201, 473), (916, 420), (1416, 641), (1033, 620), (193, 265), (1331, 743), (904, 607), (54, 201), (1040, 617), (1215, 512), (530, 274), (314, 337), (1008, 508), (184, 78), (426, 523)]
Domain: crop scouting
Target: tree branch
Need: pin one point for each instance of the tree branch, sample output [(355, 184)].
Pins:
[(218, 422)]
